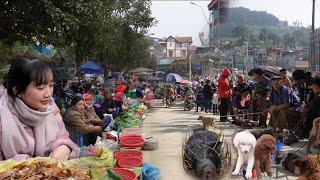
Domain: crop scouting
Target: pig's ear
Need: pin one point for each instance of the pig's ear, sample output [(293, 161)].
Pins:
[(300, 162)]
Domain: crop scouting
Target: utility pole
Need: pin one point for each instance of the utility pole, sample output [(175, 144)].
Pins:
[(312, 43), (190, 70)]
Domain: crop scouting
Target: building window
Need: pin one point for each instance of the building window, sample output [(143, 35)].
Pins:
[(170, 54), (183, 53)]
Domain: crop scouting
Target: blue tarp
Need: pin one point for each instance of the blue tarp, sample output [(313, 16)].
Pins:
[(44, 50), (172, 78), (90, 67)]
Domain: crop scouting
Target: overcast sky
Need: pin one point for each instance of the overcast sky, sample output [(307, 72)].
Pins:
[(184, 19)]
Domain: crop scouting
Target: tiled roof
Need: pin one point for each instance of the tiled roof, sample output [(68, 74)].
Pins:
[(184, 39), (181, 39)]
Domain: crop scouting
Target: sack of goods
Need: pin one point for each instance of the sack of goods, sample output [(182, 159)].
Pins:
[(151, 143)]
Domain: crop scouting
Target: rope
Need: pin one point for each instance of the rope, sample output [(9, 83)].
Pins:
[(257, 113)]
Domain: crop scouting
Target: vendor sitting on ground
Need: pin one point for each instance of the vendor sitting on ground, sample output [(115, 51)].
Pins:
[(78, 125), (285, 106), (89, 111), (108, 106)]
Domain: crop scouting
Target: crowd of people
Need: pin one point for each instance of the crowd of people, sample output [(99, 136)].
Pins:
[(292, 106), (36, 121), (291, 103)]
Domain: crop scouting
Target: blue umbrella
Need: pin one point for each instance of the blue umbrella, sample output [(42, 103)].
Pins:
[(172, 78)]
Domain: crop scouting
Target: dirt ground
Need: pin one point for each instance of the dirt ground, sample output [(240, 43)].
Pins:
[(169, 126)]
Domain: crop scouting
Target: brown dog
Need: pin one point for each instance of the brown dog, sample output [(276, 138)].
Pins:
[(313, 133), (207, 121), (262, 154), (309, 167)]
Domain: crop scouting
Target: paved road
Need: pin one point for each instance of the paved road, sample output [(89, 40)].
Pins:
[(169, 126)]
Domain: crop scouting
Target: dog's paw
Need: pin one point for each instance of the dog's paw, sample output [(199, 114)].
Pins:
[(248, 175), (235, 173)]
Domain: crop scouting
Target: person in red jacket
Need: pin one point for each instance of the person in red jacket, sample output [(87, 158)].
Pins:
[(224, 93)]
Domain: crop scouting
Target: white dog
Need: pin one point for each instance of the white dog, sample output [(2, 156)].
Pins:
[(245, 142)]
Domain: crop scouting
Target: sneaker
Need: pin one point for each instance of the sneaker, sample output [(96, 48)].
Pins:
[(291, 139)]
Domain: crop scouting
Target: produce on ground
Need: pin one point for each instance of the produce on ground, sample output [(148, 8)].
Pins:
[(105, 159)]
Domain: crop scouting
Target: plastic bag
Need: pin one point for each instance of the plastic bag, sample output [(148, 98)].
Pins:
[(110, 144), (150, 172), (151, 143), (105, 160)]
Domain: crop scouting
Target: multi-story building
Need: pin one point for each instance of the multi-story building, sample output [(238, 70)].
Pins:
[(177, 47)]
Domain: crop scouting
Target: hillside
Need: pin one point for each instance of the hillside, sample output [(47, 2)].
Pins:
[(257, 20)]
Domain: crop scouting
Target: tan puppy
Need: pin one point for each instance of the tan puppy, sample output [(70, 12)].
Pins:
[(313, 133), (207, 121)]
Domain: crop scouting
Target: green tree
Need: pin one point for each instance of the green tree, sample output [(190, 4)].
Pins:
[(302, 36), (289, 41), (242, 33), (264, 34), (106, 31)]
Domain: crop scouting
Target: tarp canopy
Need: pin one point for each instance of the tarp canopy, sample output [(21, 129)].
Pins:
[(140, 70), (172, 78), (90, 67)]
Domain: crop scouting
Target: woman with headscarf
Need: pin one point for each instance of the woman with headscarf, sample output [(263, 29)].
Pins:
[(79, 126)]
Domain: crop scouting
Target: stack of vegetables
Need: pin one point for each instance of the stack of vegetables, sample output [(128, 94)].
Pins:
[(131, 117)]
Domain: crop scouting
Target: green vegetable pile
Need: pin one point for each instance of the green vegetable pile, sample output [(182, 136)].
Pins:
[(127, 120)]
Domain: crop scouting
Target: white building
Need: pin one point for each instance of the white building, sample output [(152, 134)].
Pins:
[(177, 47)]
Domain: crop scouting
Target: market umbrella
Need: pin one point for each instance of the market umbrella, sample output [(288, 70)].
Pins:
[(172, 78), (160, 72), (140, 70), (185, 82)]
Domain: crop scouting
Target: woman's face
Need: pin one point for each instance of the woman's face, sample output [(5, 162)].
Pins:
[(79, 106), (89, 102), (38, 97)]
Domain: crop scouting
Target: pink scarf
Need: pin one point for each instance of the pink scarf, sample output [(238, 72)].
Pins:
[(15, 116)]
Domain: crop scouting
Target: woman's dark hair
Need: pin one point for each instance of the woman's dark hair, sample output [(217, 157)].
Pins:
[(258, 71), (75, 100), (283, 70), (23, 71)]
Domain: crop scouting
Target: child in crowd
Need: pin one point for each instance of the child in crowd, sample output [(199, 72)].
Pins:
[(215, 102)]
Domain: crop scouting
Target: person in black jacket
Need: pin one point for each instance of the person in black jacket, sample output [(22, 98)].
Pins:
[(207, 94), (314, 109), (108, 106)]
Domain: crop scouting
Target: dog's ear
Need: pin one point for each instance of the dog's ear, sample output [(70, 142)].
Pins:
[(236, 141), (200, 117), (254, 143), (269, 145)]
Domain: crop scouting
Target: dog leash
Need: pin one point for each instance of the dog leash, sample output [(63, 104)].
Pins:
[(257, 113)]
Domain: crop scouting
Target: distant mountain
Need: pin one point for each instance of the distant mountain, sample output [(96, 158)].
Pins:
[(245, 16), (257, 20)]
